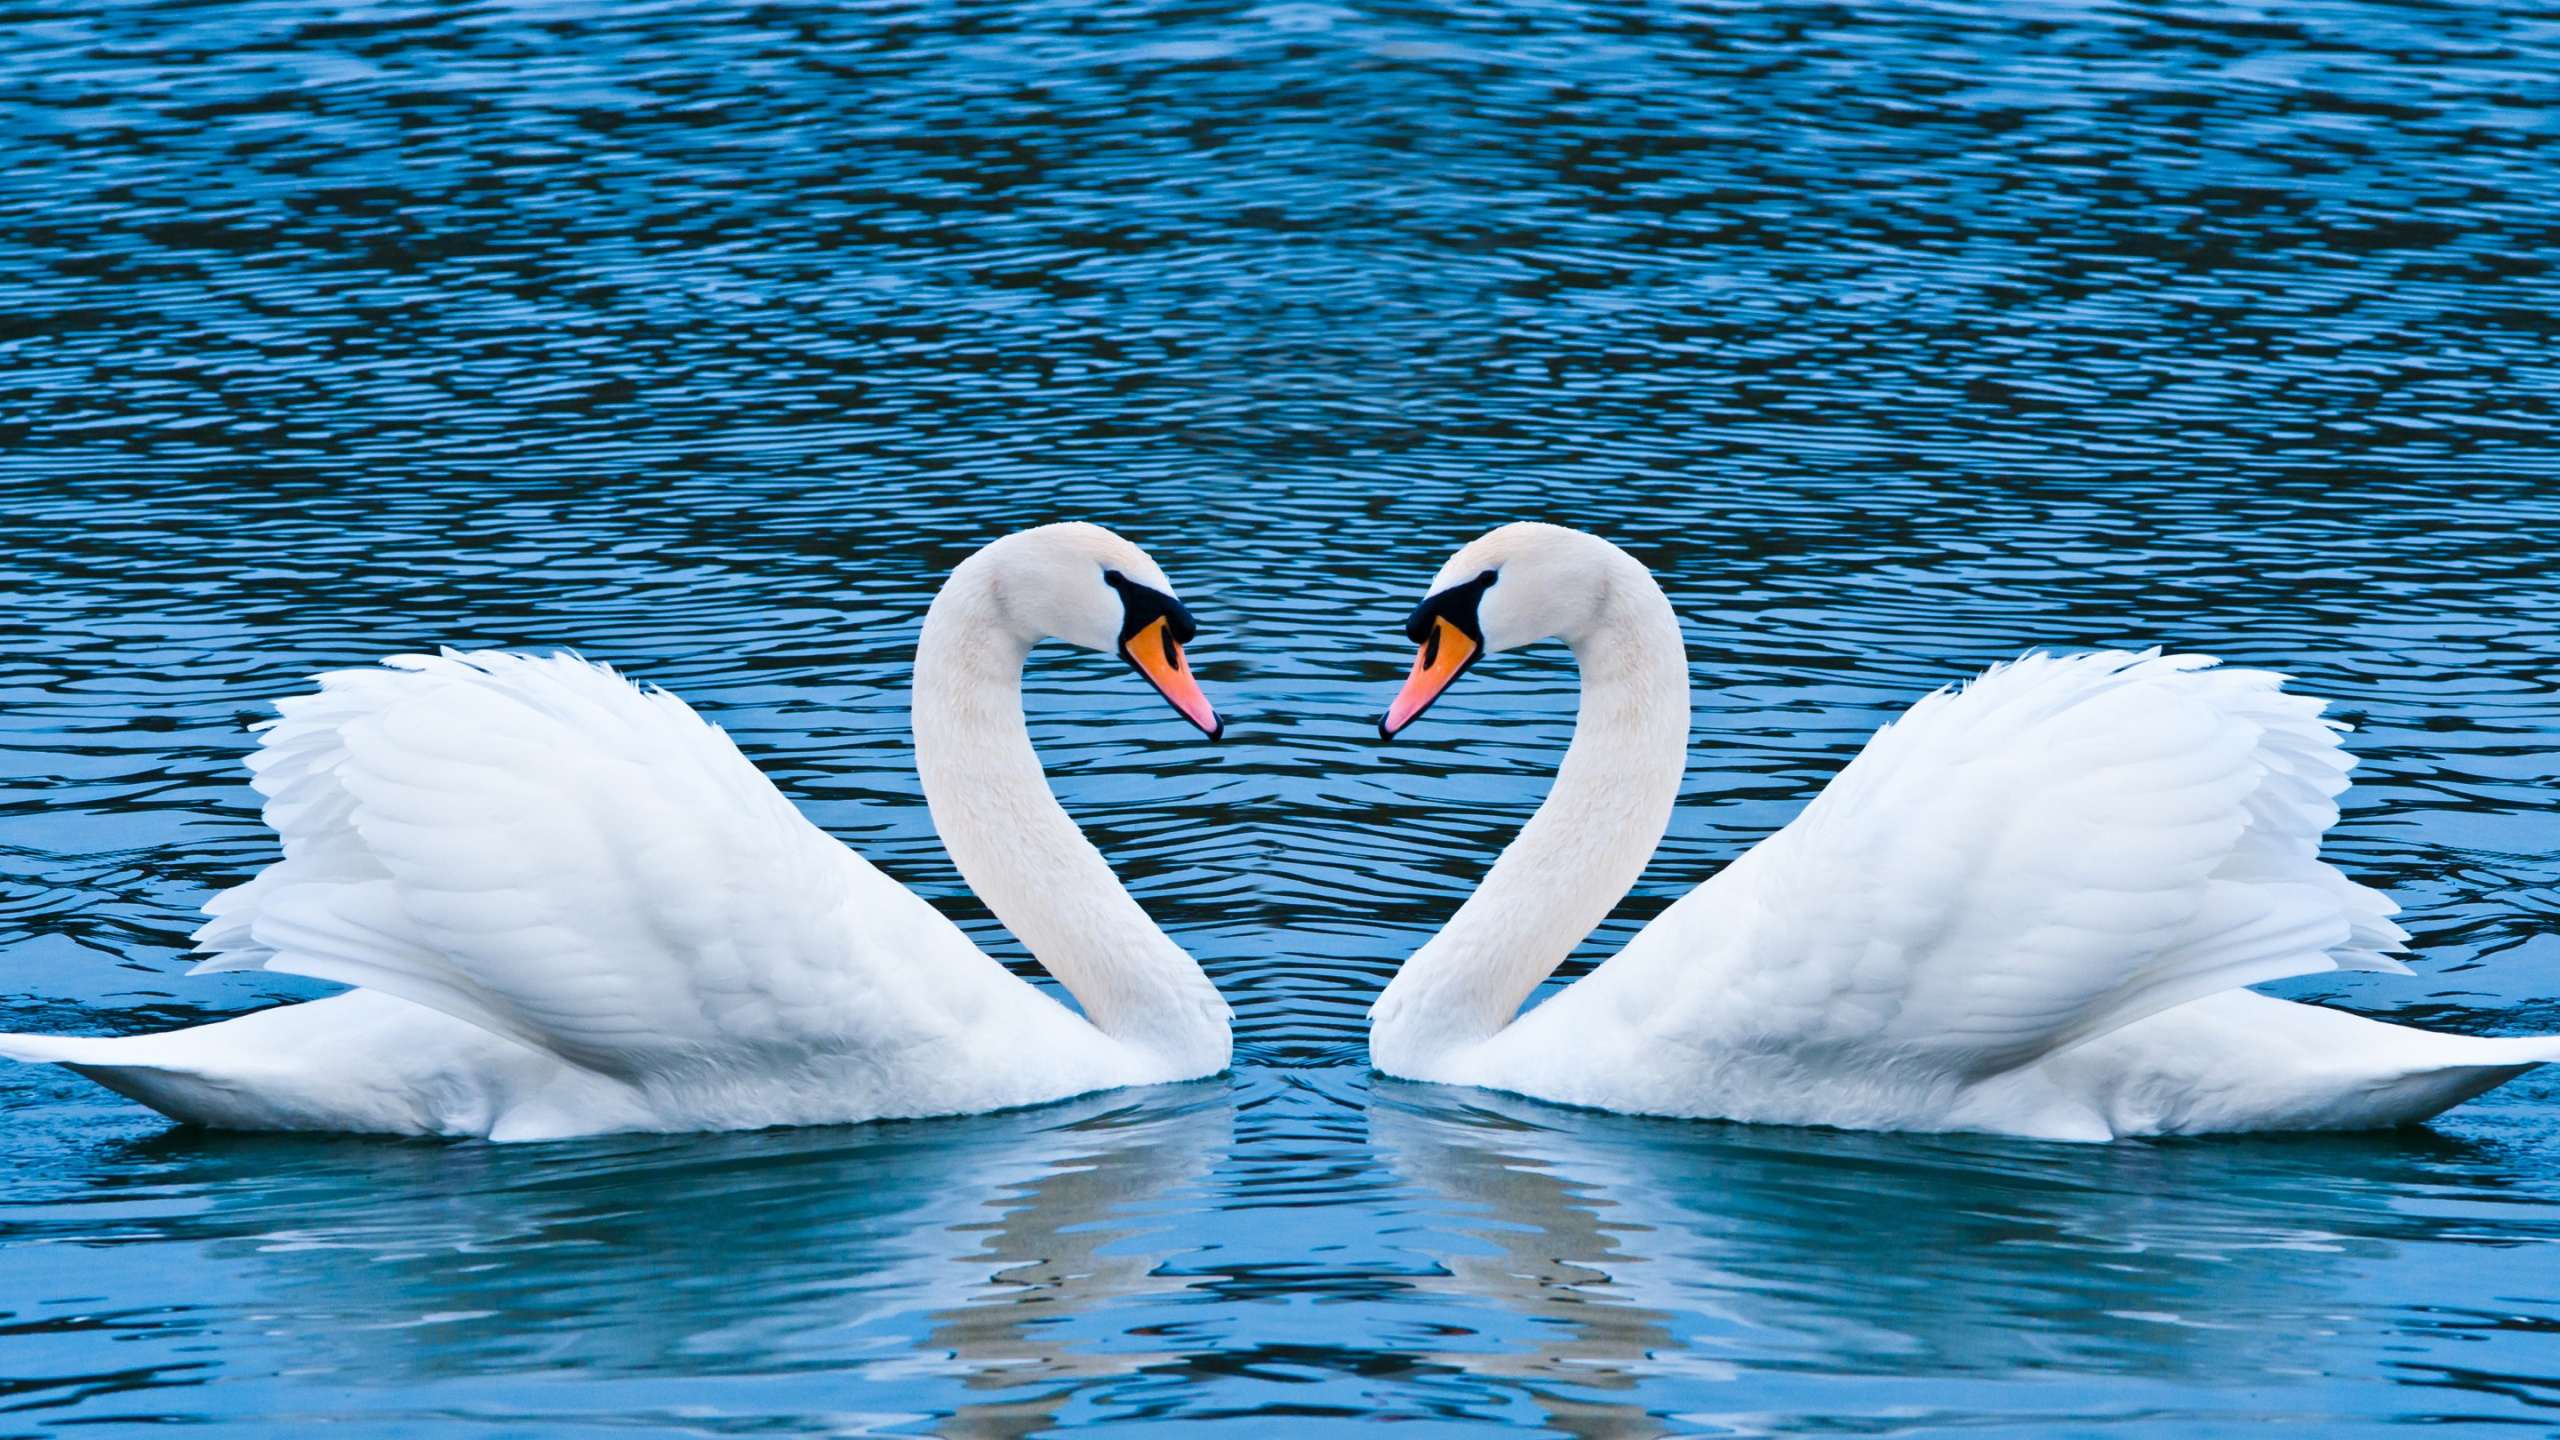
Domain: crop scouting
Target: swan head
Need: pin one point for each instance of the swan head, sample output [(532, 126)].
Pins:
[(1090, 588), (1515, 586)]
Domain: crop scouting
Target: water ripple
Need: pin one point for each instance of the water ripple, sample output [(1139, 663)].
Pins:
[(701, 339)]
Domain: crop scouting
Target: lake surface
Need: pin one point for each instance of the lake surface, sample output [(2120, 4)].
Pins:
[(703, 338)]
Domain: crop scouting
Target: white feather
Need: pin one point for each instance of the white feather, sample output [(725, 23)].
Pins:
[(1963, 928), (572, 905)]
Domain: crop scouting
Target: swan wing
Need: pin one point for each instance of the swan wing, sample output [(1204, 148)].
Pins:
[(2062, 847), (537, 846)]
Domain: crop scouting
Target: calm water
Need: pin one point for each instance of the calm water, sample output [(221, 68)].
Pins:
[(702, 338)]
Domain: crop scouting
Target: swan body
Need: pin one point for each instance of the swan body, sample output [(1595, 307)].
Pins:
[(572, 906), (2029, 906)]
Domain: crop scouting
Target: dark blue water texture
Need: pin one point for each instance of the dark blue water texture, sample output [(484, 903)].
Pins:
[(703, 338)]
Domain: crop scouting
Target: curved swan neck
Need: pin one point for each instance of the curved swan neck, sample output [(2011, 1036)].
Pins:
[(1020, 851), (1578, 854)]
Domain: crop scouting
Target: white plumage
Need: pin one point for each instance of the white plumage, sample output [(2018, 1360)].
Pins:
[(2027, 906), (573, 906)]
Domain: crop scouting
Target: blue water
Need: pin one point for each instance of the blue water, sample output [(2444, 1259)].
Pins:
[(703, 339)]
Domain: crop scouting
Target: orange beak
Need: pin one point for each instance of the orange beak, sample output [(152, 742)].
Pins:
[(1158, 656), (1443, 658)]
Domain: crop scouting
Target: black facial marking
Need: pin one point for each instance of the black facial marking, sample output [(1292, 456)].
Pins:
[(1457, 605), (1141, 606)]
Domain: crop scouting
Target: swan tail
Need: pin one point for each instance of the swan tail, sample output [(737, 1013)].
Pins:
[(362, 1062), (2430, 1089), (2390, 1094), (157, 1070), (2457, 1068), (68, 1049), (2242, 1061)]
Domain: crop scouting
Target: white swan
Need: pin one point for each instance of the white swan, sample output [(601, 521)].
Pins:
[(2026, 907), (571, 906)]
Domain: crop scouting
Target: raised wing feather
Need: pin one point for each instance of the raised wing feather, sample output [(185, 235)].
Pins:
[(536, 846), (2066, 845)]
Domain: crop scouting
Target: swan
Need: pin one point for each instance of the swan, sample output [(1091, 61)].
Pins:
[(571, 906), (2028, 907)]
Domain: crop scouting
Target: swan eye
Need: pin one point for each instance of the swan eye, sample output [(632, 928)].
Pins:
[(1143, 605), (1457, 605)]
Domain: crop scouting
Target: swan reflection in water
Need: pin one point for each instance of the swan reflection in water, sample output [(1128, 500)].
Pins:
[(1067, 1243), (1751, 1279), (889, 1270), (1003, 1275), (1539, 1243)]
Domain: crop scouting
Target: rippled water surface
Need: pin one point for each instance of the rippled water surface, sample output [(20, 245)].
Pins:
[(703, 338)]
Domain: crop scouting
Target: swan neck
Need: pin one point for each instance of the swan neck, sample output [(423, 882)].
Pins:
[(1574, 859), (1023, 855)]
